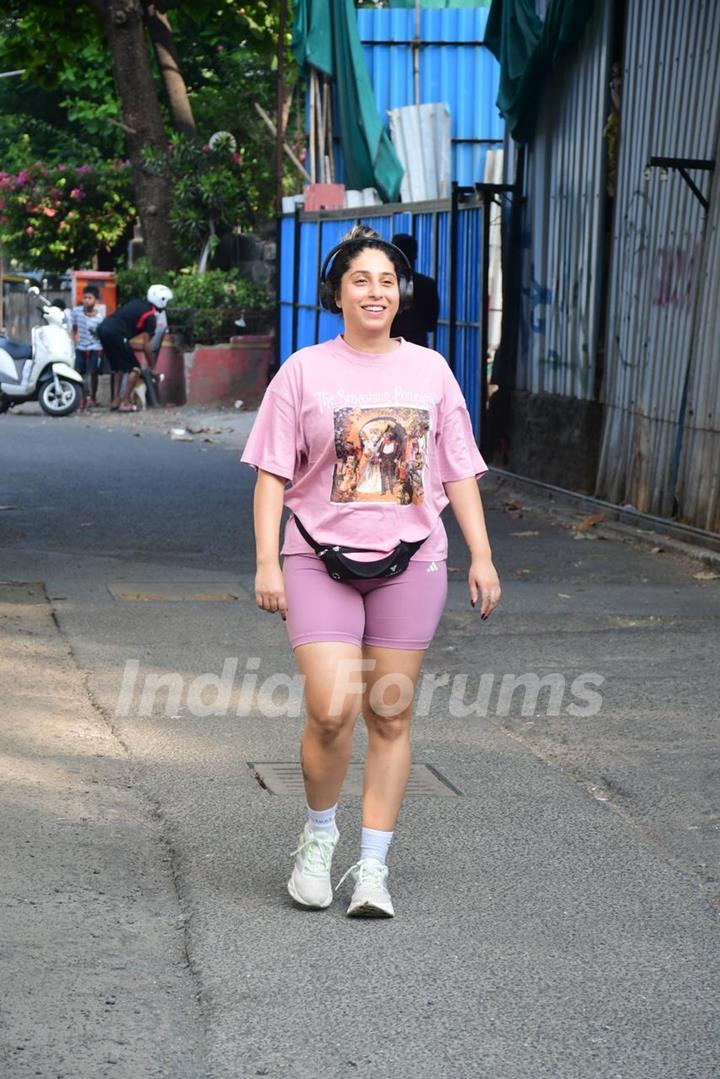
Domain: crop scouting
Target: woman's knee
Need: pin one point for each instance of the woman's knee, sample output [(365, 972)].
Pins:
[(388, 725), (329, 724)]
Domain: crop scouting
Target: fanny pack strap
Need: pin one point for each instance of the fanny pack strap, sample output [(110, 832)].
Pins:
[(339, 566), (319, 547)]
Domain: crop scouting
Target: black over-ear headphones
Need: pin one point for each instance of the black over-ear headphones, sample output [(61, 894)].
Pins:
[(405, 281)]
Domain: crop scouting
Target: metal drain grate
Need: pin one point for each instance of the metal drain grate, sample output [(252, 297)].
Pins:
[(175, 591), (285, 778)]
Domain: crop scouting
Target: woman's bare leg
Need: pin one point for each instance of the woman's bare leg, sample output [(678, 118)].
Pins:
[(333, 698), (387, 709)]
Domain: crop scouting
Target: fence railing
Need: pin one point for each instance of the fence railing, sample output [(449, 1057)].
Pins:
[(21, 311)]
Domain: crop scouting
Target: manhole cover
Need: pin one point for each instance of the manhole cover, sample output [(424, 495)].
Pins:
[(175, 591), (285, 777)]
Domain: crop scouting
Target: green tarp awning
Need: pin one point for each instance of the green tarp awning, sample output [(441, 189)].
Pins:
[(325, 36), (528, 49)]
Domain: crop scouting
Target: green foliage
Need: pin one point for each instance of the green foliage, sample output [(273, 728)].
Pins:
[(135, 280), (63, 215), (238, 79), (60, 110), (215, 288), (211, 24), (208, 193), (205, 306)]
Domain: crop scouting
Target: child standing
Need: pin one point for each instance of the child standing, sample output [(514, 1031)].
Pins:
[(86, 317)]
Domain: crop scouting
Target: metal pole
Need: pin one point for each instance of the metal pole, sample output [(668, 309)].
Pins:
[(311, 133), (280, 105), (296, 278), (318, 264), (435, 262), (278, 295), (485, 313), (452, 275), (416, 53)]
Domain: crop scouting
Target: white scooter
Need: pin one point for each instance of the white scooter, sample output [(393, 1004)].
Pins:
[(44, 370)]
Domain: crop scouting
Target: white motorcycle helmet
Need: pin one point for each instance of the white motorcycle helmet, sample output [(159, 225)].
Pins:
[(159, 296)]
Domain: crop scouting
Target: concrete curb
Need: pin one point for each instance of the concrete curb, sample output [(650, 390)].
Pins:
[(627, 525)]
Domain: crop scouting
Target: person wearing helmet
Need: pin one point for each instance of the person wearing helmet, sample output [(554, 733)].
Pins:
[(136, 317)]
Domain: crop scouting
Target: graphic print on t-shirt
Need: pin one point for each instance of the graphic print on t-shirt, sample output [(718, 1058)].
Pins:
[(382, 453)]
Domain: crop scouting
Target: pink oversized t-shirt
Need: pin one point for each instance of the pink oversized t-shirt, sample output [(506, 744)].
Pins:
[(366, 442)]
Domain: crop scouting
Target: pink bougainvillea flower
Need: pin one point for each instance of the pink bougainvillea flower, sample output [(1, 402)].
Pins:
[(29, 230), (77, 193), (49, 212)]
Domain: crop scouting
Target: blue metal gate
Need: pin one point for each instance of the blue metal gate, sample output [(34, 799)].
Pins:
[(452, 247)]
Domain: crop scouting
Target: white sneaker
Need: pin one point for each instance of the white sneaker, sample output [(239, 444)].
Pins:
[(371, 899), (310, 884)]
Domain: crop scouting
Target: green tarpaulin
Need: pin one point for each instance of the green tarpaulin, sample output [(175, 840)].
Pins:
[(528, 49), (325, 36)]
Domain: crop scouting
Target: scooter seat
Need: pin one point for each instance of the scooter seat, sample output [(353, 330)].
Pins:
[(17, 350), (13, 375)]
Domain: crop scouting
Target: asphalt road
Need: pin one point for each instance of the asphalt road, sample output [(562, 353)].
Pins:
[(558, 918)]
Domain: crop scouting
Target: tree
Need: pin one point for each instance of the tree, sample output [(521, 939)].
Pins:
[(170, 69), (101, 55), (42, 36), (124, 28)]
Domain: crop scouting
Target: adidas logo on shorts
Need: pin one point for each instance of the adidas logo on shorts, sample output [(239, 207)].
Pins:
[(432, 568)]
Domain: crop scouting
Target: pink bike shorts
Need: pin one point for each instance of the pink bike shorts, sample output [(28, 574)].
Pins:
[(391, 612)]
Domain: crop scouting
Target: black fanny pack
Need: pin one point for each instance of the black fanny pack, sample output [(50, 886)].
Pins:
[(342, 568)]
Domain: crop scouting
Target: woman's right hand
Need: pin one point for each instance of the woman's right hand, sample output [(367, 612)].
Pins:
[(270, 590)]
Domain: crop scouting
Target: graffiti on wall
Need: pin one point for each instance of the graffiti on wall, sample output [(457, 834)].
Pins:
[(675, 273)]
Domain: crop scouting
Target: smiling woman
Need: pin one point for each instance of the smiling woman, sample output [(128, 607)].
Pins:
[(373, 435)]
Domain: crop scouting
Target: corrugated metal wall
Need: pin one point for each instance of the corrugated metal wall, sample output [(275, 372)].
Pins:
[(698, 481), (563, 225), (314, 234), (454, 69), (658, 330)]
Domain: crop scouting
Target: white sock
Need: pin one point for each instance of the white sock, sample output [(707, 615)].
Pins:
[(322, 820), (375, 844)]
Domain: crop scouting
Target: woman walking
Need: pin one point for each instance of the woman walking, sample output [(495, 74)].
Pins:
[(373, 435)]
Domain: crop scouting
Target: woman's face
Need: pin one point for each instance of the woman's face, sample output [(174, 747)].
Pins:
[(369, 297)]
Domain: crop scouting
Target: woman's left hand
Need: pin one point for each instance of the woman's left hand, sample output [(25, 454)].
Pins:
[(484, 581)]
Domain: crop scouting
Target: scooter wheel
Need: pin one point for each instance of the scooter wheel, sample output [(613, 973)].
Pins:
[(5, 403), (63, 403)]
